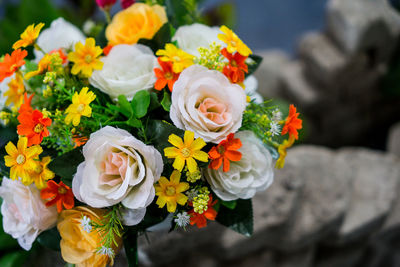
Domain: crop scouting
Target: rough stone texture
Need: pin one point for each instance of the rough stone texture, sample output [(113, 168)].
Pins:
[(347, 256), (375, 184), (301, 258), (393, 145)]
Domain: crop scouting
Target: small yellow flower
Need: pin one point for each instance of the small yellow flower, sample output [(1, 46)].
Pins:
[(47, 63), (46, 113), (80, 106), (186, 151), (233, 41), (85, 58), (40, 174), (15, 93), (21, 159), (280, 163), (29, 36), (179, 58), (170, 192)]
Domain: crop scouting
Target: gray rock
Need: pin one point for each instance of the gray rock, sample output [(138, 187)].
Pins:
[(262, 258), (340, 257), (301, 258), (393, 145)]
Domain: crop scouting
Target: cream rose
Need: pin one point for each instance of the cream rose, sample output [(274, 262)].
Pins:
[(25, 215), (61, 34), (191, 37), (253, 173), (127, 69), (117, 168), (251, 86), (205, 102)]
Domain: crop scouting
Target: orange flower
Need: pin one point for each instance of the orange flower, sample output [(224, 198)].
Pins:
[(11, 63), (292, 123), (165, 75), (225, 152), (107, 49), (237, 67), (33, 125), (79, 140), (61, 54), (26, 106), (201, 219), (59, 194)]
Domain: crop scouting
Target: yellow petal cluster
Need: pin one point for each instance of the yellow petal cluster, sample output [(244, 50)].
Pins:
[(179, 58), (170, 191), (80, 106), (15, 92), (234, 44), (29, 36), (41, 173), (86, 58)]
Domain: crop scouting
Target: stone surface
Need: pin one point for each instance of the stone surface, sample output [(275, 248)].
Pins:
[(301, 258), (393, 144)]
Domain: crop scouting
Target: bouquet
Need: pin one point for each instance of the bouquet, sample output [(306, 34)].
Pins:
[(160, 123)]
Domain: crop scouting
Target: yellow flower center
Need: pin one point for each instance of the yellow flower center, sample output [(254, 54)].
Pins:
[(170, 191), (88, 58), (168, 76), (233, 43), (233, 63), (176, 58), (221, 150), (21, 159), (80, 108), (62, 190), (185, 152), (38, 128), (38, 169)]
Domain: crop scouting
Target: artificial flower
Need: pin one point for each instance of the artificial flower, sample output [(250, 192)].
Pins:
[(200, 219), (77, 245), (186, 151), (236, 68), (165, 76), (280, 163), (11, 63), (250, 88), (206, 102), (26, 105), (179, 58), (33, 125), (29, 36), (137, 21), (107, 49), (233, 42), (127, 3), (61, 54), (225, 152), (15, 93), (60, 35), (86, 58), (58, 194), (24, 213), (116, 160), (190, 37), (80, 106), (105, 4), (22, 159), (292, 123), (41, 173), (47, 63), (170, 191), (253, 173), (127, 69)]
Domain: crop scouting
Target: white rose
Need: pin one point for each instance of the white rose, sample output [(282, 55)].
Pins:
[(4, 88), (118, 168), (25, 214), (205, 102), (251, 86), (61, 34), (191, 37), (127, 69), (253, 173)]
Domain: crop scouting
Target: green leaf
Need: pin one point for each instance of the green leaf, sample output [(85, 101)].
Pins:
[(162, 37), (239, 219), (154, 102), (180, 12), (14, 259), (131, 247), (253, 66), (140, 103), (50, 239), (125, 107), (166, 101), (159, 131), (229, 204), (65, 165), (133, 122)]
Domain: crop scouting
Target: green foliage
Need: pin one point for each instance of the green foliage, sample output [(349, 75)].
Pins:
[(166, 101), (162, 37), (50, 239), (131, 247), (65, 165), (229, 204), (181, 12), (239, 219), (14, 259), (253, 66), (7, 134), (140, 103)]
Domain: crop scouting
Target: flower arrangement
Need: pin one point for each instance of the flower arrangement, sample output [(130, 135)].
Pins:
[(101, 142)]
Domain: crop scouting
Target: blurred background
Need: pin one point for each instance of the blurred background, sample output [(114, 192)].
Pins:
[(337, 201)]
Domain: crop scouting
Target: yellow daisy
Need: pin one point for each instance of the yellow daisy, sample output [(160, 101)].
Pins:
[(179, 58), (15, 92), (21, 159), (29, 36), (186, 151), (80, 106), (41, 173), (170, 192), (47, 63), (86, 58), (233, 42), (280, 163)]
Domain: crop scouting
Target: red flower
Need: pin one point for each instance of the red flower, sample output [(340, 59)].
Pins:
[(34, 126), (237, 67), (26, 106), (201, 219), (105, 3), (127, 3), (293, 123), (225, 152), (12, 63), (165, 76), (107, 49), (59, 194)]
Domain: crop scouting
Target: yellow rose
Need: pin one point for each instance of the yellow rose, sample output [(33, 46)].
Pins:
[(137, 21), (78, 246)]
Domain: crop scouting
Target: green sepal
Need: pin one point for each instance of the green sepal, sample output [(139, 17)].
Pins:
[(239, 219)]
